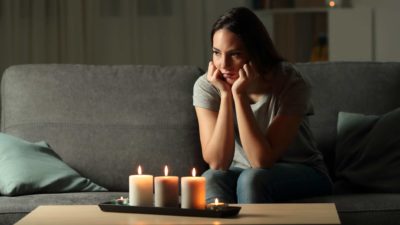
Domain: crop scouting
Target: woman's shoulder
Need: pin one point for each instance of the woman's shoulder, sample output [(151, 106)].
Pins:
[(293, 91), (205, 95), (202, 80), (203, 85), (288, 79), (291, 74), (288, 69)]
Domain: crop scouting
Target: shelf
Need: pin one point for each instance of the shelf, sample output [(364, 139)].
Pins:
[(295, 31), (293, 10)]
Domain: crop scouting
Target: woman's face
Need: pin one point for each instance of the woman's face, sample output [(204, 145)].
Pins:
[(229, 54)]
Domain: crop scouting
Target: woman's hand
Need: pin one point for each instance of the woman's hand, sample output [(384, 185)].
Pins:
[(247, 76), (214, 76)]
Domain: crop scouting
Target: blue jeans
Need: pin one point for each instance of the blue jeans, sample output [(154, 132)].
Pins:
[(282, 182)]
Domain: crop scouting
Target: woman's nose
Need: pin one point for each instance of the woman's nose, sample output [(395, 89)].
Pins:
[(225, 62)]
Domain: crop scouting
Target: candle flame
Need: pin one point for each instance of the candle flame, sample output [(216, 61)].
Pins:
[(166, 170), (194, 172), (332, 3), (139, 170), (216, 201)]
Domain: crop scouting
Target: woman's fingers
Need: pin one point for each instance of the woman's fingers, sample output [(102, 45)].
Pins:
[(214, 76), (246, 70), (213, 73), (210, 71), (242, 73), (250, 71)]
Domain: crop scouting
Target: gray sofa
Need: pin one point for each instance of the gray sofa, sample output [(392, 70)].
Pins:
[(104, 121)]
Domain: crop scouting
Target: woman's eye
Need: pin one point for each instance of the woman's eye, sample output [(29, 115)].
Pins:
[(236, 55), (216, 53)]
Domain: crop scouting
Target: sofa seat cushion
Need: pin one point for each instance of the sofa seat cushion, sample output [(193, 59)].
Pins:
[(14, 208), (360, 202), (363, 208)]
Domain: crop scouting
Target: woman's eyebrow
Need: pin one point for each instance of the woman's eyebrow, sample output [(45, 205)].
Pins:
[(230, 51)]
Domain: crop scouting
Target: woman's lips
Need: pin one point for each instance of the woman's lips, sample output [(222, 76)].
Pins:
[(229, 75), (230, 78)]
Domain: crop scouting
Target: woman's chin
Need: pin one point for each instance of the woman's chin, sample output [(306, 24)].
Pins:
[(230, 81)]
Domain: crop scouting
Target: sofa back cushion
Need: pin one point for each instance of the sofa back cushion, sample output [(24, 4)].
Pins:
[(358, 87), (104, 121), (368, 152), (30, 168)]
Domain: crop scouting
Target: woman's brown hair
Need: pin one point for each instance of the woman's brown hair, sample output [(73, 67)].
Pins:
[(246, 25)]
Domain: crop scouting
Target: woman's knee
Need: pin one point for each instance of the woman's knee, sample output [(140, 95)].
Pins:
[(214, 175), (221, 184), (252, 178), (251, 186), (220, 177)]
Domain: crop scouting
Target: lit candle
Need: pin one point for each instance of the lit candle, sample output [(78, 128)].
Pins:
[(193, 192), (121, 201), (141, 189), (216, 205), (166, 190)]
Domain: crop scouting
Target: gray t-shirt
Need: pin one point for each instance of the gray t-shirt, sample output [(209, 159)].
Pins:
[(289, 95)]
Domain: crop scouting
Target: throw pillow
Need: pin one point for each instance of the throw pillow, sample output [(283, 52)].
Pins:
[(368, 151), (28, 168)]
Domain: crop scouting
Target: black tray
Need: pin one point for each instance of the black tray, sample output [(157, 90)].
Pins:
[(228, 211)]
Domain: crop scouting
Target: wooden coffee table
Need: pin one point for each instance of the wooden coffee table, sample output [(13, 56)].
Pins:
[(324, 213)]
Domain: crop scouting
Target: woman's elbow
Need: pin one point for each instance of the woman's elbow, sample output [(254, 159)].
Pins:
[(263, 163), (215, 163), (218, 166)]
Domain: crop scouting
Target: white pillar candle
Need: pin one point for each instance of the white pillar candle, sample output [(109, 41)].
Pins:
[(193, 192), (166, 190), (141, 189)]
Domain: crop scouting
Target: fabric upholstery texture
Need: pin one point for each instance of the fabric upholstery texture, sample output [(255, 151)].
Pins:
[(368, 149), (105, 120), (111, 118), (28, 168), (371, 88), (368, 208)]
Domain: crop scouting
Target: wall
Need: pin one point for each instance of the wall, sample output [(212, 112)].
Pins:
[(351, 34), (369, 31), (386, 27)]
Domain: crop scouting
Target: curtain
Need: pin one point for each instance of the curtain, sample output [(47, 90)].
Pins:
[(162, 32), (41, 31)]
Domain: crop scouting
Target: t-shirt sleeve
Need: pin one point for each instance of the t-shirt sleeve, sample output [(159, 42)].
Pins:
[(295, 99), (205, 95)]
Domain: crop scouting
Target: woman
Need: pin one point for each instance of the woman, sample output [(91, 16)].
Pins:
[(252, 110)]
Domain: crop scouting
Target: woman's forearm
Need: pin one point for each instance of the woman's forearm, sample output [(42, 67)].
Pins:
[(219, 150), (254, 142)]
